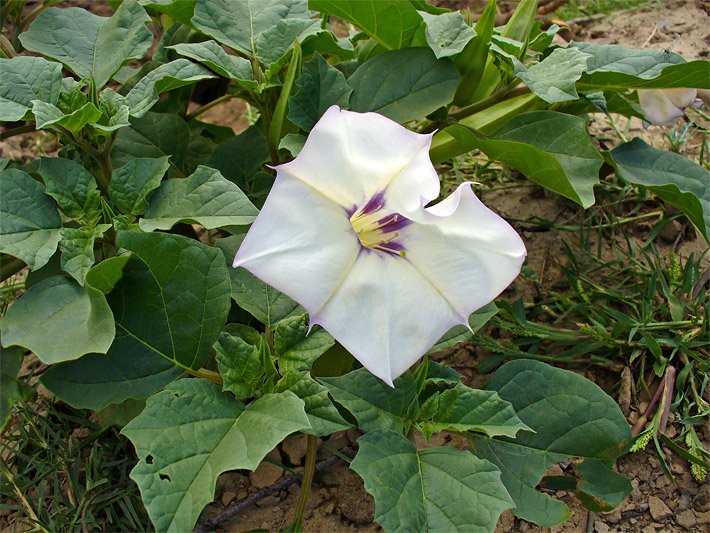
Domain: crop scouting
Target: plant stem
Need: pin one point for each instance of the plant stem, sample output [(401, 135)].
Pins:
[(27, 128), (6, 47), (509, 91), (209, 105), (308, 471), (206, 374), (10, 267)]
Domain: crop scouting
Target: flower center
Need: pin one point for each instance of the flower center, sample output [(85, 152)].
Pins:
[(378, 229)]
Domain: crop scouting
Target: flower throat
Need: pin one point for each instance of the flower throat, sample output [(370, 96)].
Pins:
[(378, 229)]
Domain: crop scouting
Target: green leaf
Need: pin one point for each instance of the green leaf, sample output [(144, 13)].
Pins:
[(552, 149), (268, 305), (319, 87), (584, 422), (241, 157), (615, 67), (181, 10), (167, 77), (447, 34), (12, 389), (205, 198), (30, 220), (459, 334), (393, 23), (26, 79), (213, 56), (322, 414), (173, 296), (293, 143), (77, 247), (152, 136), (379, 85), (114, 112), (128, 370), (107, 273), (276, 41), (239, 349), (553, 79), (239, 23), (673, 178), (59, 320), (601, 489), (192, 432), (92, 47), (48, 115), (435, 489), (296, 347), (464, 409), (72, 186), (373, 403), (132, 184)]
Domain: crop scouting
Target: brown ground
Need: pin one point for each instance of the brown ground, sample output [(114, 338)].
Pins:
[(338, 501)]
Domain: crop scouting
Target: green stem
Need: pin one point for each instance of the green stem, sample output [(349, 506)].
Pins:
[(17, 131), (308, 471), (209, 105), (6, 47), (10, 267), (509, 91)]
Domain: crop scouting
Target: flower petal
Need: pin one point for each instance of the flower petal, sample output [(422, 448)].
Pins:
[(465, 250), (386, 315), (681, 98), (301, 243), (658, 106), (350, 157)]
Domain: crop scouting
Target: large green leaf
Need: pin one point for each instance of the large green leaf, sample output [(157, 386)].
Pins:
[(273, 44), (173, 296), (319, 87), (132, 184), (380, 86), (554, 78), (205, 198), (297, 346), (373, 403), (192, 432), (239, 23), (571, 417), (152, 136), (166, 77), (459, 334), (674, 178), (391, 22), (181, 10), (72, 186), (128, 370), (12, 389), (29, 220), (552, 149), (92, 47), (213, 56), (26, 79), (59, 320), (323, 416), (239, 358), (464, 409), (435, 489), (446, 34), (615, 67), (268, 305)]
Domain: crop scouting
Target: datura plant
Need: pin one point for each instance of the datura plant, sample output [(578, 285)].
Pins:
[(350, 268)]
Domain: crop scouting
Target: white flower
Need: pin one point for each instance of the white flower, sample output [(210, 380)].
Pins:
[(345, 233), (665, 106)]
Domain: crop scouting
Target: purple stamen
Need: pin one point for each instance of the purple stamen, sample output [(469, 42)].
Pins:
[(393, 222)]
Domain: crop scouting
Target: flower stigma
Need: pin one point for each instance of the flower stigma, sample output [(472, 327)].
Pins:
[(378, 229)]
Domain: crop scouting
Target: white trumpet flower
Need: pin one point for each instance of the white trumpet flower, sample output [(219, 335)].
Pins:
[(345, 233), (665, 106)]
